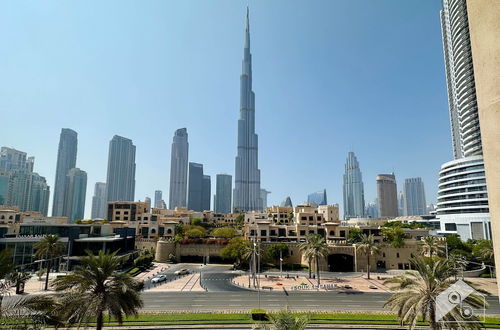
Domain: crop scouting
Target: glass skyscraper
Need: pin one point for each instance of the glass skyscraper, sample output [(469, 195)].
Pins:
[(223, 190), (318, 198), (354, 195), (414, 197), (120, 183), (99, 201), (247, 174), (76, 189), (66, 160), (195, 187)]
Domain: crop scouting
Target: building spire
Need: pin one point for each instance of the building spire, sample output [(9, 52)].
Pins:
[(247, 30)]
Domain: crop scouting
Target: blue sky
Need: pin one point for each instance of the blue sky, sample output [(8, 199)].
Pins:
[(329, 77)]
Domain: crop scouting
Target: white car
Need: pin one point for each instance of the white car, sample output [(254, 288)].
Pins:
[(158, 278), (182, 271)]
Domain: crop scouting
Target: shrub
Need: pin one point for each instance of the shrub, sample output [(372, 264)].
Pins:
[(486, 276), (259, 314)]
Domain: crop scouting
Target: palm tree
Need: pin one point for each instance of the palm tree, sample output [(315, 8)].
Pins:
[(431, 245), (369, 247), (315, 248), (486, 251), (394, 235), (95, 287), (418, 289), (49, 247), (303, 247), (285, 320)]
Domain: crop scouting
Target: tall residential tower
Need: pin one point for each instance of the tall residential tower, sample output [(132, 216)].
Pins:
[(223, 189), (414, 197), (387, 196), (354, 195), (66, 160), (246, 195), (120, 183), (179, 169)]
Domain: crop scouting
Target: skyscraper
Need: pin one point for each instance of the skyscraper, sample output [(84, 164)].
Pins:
[(354, 195), (414, 197), (246, 195), (223, 190), (99, 201), (148, 201), (206, 193), (66, 160), (387, 196), (263, 197), (19, 185), (287, 202), (401, 204), (195, 187), (76, 189), (158, 198), (318, 198), (466, 133), (120, 183), (462, 203), (179, 169)]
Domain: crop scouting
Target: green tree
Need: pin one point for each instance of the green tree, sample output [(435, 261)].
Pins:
[(432, 245), (224, 232), (195, 232), (18, 278), (238, 249), (395, 236), (95, 288), (315, 248), (483, 250), (368, 247), (418, 289), (274, 251), (239, 221), (354, 235), (48, 248)]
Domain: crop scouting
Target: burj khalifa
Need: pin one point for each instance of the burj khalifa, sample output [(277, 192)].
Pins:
[(246, 194)]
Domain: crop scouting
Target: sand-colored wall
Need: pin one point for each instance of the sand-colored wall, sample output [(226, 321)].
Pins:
[(484, 27)]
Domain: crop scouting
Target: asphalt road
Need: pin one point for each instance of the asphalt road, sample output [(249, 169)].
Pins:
[(299, 301)]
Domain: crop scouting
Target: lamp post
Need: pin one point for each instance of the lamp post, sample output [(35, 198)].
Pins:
[(281, 263)]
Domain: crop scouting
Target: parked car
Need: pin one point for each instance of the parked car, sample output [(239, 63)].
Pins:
[(159, 278), (182, 271)]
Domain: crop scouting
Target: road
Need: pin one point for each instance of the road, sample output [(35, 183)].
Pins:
[(299, 301)]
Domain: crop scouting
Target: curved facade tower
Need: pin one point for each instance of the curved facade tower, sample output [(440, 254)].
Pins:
[(466, 135), (354, 195), (246, 195), (66, 160)]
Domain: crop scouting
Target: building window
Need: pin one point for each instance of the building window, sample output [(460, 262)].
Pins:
[(332, 233), (311, 218), (303, 218), (383, 254), (342, 233), (263, 232), (450, 226), (273, 232), (125, 218), (397, 255), (302, 233)]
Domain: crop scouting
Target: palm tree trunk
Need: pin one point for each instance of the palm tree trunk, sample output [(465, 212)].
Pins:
[(317, 269), (368, 265), (47, 275), (99, 320), (432, 316), (310, 270)]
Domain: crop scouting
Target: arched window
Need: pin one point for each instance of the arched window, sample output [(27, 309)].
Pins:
[(332, 232), (169, 231), (153, 231)]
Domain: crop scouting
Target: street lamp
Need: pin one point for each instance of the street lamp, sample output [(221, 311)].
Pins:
[(281, 263)]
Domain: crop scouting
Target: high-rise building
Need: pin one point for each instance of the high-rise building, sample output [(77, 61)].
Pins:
[(372, 210), (401, 204), (223, 191), (76, 189), (179, 169), (120, 183), (206, 193), (99, 201), (158, 198), (246, 195), (195, 187), (66, 160), (287, 202), (19, 185), (263, 197), (12, 159), (466, 133), (147, 200), (354, 195), (387, 196), (414, 197), (462, 204), (318, 198)]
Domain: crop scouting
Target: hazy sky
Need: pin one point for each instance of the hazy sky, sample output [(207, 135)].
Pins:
[(329, 76)]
